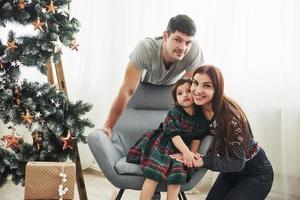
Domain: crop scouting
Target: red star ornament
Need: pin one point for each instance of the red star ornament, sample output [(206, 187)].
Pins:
[(12, 140), (68, 141)]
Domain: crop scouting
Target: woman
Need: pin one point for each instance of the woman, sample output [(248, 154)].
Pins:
[(245, 171)]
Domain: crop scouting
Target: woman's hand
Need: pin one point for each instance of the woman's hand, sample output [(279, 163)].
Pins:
[(198, 162)]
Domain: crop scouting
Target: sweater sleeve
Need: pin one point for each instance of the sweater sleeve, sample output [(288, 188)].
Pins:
[(223, 164), (172, 126), (236, 160)]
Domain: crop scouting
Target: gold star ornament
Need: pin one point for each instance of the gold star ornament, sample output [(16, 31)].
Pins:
[(11, 45), (2, 64), (17, 95), (51, 8), (68, 141), (27, 118), (37, 139), (22, 4), (38, 24), (74, 45)]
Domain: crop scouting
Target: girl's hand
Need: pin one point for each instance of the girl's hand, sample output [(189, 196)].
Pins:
[(197, 162), (177, 156), (188, 158)]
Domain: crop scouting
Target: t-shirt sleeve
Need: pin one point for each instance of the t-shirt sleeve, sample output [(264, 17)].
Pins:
[(140, 56), (201, 134), (202, 125), (172, 124), (194, 57)]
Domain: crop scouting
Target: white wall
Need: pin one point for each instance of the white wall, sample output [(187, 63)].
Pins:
[(254, 42)]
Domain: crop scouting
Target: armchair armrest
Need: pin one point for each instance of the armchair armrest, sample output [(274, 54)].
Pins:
[(205, 143), (106, 152)]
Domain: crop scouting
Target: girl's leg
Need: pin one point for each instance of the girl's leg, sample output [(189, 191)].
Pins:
[(173, 191), (148, 189)]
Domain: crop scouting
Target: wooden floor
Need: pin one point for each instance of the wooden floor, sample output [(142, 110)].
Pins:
[(98, 188)]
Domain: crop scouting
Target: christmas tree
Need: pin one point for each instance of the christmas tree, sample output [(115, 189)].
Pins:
[(53, 121)]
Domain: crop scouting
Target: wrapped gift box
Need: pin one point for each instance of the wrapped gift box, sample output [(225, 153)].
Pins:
[(42, 180)]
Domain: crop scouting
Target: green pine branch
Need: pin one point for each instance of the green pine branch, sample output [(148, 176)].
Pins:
[(52, 115)]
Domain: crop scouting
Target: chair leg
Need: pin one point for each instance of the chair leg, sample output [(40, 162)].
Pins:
[(120, 193), (183, 195), (179, 196)]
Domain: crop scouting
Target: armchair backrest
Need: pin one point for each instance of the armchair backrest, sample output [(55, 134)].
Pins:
[(145, 111)]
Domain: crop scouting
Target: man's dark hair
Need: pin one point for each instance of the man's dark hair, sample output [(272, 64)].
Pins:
[(182, 23)]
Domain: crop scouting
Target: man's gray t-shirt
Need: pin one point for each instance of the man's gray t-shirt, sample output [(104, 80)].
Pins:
[(147, 57)]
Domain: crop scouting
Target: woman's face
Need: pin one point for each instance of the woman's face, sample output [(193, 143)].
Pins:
[(202, 90)]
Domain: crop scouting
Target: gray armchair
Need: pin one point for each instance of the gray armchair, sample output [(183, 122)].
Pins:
[(146, 109)]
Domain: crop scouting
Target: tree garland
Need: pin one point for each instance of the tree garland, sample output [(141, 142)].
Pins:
[(53, 121)]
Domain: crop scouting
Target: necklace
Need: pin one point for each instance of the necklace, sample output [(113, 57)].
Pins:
[(208, 113)]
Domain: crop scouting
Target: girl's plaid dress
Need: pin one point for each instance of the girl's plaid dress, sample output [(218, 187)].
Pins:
[(152, 150)]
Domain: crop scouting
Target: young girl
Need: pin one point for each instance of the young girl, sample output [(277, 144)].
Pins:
[(181, 129), (245, 171)]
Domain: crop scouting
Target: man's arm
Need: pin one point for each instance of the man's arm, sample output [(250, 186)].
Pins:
[(127, 89)]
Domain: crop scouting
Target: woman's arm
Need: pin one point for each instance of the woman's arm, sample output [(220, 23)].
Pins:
[(223, 164), (237, 158), (219, 164)]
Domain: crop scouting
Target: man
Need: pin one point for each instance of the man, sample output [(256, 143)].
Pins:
[(159, 61)]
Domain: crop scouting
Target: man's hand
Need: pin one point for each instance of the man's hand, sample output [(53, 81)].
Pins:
[(107, 131)]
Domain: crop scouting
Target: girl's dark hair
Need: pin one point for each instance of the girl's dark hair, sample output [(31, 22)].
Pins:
[(225, 110), (176, 85)]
